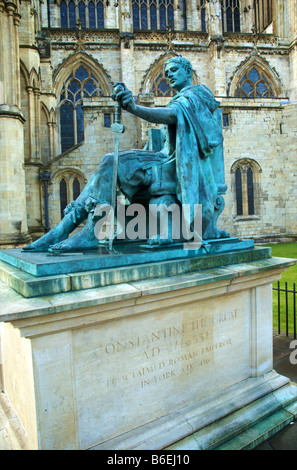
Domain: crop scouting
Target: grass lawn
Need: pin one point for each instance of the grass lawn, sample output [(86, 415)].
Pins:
[(285, 250)]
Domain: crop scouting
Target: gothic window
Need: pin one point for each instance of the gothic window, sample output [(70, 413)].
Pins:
[(153, 14), (246, 183), (70, 184), (183, 8), (238, 191), (263, 14), (254, 84), (161, 86), (80, 83), (226, 119), (75, 188), (250, 191), (90, 14), (63, 196), (107, 120), (202, 15), (230, 16)]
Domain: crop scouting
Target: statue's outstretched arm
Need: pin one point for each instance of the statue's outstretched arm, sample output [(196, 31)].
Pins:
[(155, 115)]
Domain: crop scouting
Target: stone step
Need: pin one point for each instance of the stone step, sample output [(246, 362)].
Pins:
[(264, 430), (247, 427)]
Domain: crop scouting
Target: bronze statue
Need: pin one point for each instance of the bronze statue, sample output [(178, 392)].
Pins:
[(192, 133)]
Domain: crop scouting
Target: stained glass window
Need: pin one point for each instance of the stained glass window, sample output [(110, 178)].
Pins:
[(254, 84), (162, 13), (250, 191), (107, 120), (92, 17), (153, 14), (76, 188), (64, 15), (89, 14), (82, 13), (63, 196), (143, 10), (100, 15), (202, 15), (238, 192), (231, 16), (226, 120), (161, 86), (70, 185), (246, 179), (71, 15), (79, 84)]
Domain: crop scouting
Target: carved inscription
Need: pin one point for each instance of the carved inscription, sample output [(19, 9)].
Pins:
[(165, 354)]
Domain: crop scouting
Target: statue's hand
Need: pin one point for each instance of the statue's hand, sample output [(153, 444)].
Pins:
[(124, 96)]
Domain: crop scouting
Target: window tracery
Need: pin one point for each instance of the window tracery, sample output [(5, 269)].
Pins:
[(79, 84), (89, 13), (70, 184), (254, 84), (246, 183), (230, 16), (153, 14)]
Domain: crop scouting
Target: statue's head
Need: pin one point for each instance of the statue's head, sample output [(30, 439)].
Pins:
[(185, 63)]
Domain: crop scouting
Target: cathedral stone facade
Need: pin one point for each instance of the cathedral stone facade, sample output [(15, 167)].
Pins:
[(60, 59)]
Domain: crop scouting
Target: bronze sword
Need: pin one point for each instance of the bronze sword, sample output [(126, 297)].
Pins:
[(118, 128)]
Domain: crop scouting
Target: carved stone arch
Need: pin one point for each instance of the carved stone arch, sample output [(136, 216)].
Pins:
[(75, 60), (53, 115), (34, 79), (46, 110), (155, 69), (244, 163), (25, 73), (261, 64), (68, 172), (246, 187)]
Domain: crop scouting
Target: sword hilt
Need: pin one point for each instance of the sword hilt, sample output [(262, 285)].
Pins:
[(117, 126)]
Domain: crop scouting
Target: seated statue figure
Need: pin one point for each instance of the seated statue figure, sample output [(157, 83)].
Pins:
[(192, 133)]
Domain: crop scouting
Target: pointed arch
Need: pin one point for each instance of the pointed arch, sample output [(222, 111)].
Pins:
[(45, 110), (78, 77), (25, 73), (246, 183), (34, 79), (254, 78), (67, 185), (154, 79), (74, 61)]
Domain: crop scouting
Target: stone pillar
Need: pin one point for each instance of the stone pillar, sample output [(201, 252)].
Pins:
[(13, 217), (127, 64), (216, 49), (247, 15)]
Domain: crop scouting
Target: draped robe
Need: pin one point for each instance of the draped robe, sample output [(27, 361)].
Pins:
[(190, 142)]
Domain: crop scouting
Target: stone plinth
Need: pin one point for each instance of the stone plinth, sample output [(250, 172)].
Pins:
[(180, 362)]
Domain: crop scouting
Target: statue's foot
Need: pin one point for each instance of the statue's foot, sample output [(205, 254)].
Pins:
[(224, 234), (83, 240), (157, 240), (61, 232), (44, 242)]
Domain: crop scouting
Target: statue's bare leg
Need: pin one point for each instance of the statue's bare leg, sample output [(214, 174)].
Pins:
[(75, 213), (70, 221), (85, 239), (101, 195)]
